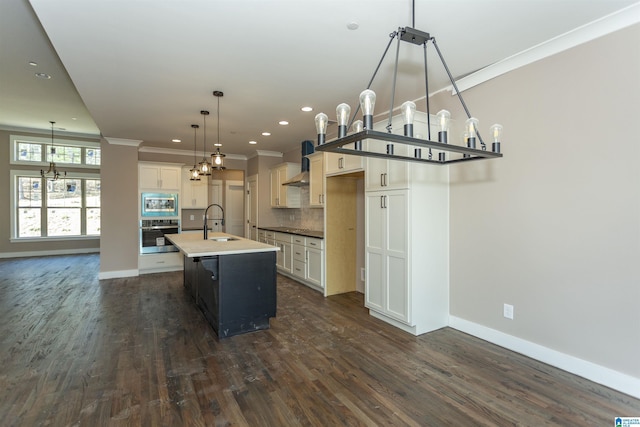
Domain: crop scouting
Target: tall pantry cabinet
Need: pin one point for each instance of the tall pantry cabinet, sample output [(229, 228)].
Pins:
[(407, 240)]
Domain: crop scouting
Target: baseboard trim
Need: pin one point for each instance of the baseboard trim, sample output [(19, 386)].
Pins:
[(117, 274), (30, 254), (591, 371)]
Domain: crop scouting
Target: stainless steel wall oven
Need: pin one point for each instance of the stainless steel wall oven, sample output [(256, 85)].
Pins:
[(152, 235)]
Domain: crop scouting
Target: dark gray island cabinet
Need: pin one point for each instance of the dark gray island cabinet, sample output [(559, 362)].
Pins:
[(232, 281)]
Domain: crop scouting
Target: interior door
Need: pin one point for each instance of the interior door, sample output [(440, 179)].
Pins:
[(234, 208), (252, 208)]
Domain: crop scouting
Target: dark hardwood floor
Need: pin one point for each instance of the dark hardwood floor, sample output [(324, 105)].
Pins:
[(136, 352)]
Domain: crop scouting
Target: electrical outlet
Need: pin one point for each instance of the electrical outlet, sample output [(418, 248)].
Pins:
[(192, 217), (508, 311), (362, 274)]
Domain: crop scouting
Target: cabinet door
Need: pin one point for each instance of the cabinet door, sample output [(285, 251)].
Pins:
[(375, 220), (148, 176), (169, 177), (316, 181), (275, 188), (282, 189), (396, 255), (314, 266)]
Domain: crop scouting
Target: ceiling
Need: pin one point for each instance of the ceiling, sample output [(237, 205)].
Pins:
[(143, 70)]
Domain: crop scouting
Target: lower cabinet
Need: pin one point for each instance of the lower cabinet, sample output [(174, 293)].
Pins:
[(300, 257), (159, 263), (283, 259), (233, 298)]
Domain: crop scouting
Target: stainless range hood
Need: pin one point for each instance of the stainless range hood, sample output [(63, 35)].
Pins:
[(299, 180), (302, 179)]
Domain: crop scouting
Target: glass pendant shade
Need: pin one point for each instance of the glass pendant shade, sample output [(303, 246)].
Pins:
[(204, 167), (343, 111), (193, 172), (322, 120)]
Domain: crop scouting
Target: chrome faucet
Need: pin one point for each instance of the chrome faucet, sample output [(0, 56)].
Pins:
[(214, 219)]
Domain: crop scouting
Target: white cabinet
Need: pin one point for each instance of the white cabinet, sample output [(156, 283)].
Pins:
[(337, 163), (407, 242), (284, 196), (194, 193), (158, 263), (158, 176), (387, 289), (316, 180), (315, 266), (383, 174), (284, 257)]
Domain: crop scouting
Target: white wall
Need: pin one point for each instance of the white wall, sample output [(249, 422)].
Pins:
[(553, 228)]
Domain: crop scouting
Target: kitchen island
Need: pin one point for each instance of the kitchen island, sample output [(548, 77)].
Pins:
[(232, 280)]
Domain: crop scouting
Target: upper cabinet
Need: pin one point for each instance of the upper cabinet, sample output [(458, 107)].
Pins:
[(316, 180), (337, 163), (384, 174), (284, 196), (158, 176), (194, 193)]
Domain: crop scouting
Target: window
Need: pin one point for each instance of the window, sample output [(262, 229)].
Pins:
[(67, 207), (39, 151)]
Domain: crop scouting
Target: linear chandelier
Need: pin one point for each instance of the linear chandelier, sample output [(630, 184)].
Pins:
[(363, 130), (52, 173)]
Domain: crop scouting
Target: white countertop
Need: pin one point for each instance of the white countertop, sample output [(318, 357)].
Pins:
[(193, 245)]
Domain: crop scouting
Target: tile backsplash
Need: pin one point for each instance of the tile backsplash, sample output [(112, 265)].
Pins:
[(303, 217)]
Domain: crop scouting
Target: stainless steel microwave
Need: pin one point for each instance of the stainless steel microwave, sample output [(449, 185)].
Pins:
[(159, 204)]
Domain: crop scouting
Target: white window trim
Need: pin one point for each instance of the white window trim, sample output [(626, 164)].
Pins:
[(12, 194), (15, 139)]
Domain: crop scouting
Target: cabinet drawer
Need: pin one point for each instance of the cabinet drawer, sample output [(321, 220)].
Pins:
[(270, 234), (298, 253), (299, 269), (298, 240), (284, 237), (312, 242)]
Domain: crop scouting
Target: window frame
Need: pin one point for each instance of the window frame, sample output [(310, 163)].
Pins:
[(15, 174), (14, 157)]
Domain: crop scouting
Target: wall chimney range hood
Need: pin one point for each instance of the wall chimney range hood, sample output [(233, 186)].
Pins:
[(302, 179)]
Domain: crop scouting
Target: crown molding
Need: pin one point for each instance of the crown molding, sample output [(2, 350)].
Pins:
[(48, 132), (189, 153), (121, 141), (266, 153), (623, 18)]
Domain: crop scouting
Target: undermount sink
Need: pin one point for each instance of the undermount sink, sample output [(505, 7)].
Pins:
[(222, 239)]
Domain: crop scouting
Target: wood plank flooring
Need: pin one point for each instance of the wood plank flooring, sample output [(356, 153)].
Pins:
[(76, 351)]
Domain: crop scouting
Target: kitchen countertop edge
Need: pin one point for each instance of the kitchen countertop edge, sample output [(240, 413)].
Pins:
[(306, 233), (192, 245)]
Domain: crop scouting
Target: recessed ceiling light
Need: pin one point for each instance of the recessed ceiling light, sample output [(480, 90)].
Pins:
[(283, 122), (253, 142), (266, 133), (33, 63), (43, 75), (307, 109), (74, 118), (176, 140)]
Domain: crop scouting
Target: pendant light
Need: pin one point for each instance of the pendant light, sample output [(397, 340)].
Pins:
[(194, 174), (52, 173), (217, 158), (204, 167)]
